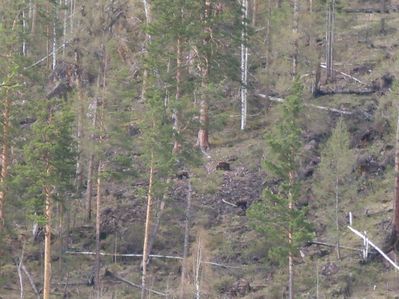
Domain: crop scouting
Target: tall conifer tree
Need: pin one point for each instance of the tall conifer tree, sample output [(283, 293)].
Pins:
[(277, 215)]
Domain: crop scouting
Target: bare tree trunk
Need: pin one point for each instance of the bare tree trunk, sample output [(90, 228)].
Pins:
[(34, 17), (47, 240), (89, 188), (98, 224), (24, 25), (147, 228), (91, 166), (176, 112), (290, 257), (336, 215), (254, 12), (396, 193), (19, 269), (5, 156), (148, 17), (203, 133), (330, 40), (295, 33), (186, 241), (157, 222), (54, 39), (197, 269), (79, 167), (244, 64)]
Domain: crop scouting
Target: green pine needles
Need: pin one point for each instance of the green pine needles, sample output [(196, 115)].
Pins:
[(276, 215)]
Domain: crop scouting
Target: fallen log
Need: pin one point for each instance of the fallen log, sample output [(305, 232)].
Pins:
[(315, 242), (368, 242), (372, 10), (328, 109), (123, 254), (280, 100), (324, 66)]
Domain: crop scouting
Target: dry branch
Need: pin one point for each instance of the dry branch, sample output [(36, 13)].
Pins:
[(123, 255), (280, 100), (32, 283), (333, 245), (229, 203), (116, 277), (324, 66), (151, 256), (374, 246)]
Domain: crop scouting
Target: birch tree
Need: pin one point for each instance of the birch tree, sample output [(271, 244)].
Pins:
[(244, 63), (335, 167)]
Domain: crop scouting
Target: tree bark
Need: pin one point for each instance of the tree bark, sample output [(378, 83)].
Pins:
[(155, 228), (336, 215), (290, 232), (396, 192), (47, 239), (147, 228), (186, 241), (330, 40), (177, 112), (203, 133), (5, 158), (254, 12), (244, 64), (295, 33), (98, 230), (148, 18), (79, 167)]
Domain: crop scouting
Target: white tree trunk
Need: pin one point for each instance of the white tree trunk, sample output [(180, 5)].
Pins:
[(197, 269), (330, 39), (244, 63), (186, 241), (147, 229), (54, 41), (98, 227), (295, 33)]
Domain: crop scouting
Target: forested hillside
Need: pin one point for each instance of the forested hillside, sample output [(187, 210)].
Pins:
[(199, 149)]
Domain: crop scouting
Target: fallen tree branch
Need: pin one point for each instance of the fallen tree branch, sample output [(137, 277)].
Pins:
[(334, 110), (151, 255), (123, 255), (371, 10), (229, 203), (116, 277), (32, 283), (47, 56), (280, 100), (315, 242), (221, 265), (365, 239), (324, 66)]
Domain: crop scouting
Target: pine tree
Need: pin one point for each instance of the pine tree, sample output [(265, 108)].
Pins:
[(48, 170), (276, 215), (336, 165)]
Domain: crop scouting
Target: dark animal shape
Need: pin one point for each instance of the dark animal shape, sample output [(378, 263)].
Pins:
[(223, 166)]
